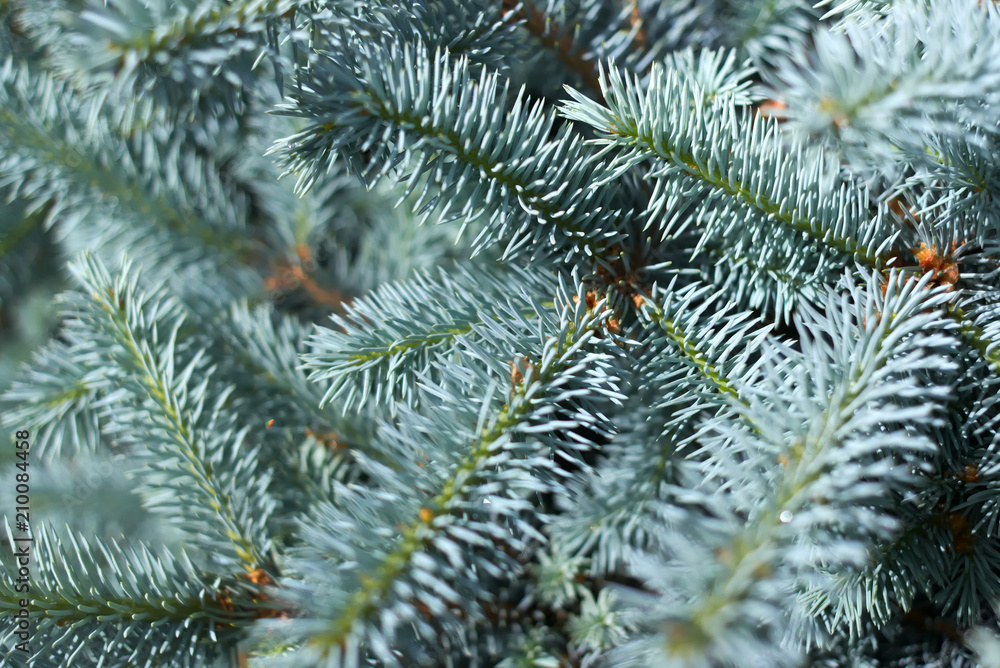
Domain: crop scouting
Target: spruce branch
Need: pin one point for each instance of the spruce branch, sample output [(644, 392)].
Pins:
[(707, 346), (986, 343), (681, 338), (475, 29), (837, 428), (51, 156), (261, 351), (125, 603), (770, 288), (415, 579), (172, 57), (956, 185), (537, 190), (761, 431), (764, 29), (339, 240), (633, 33), (856, 9), (269, 348), (700, 136), (186, 432), (903, 63), (388, 341), (103, 196), (947, 519), (60, 391)]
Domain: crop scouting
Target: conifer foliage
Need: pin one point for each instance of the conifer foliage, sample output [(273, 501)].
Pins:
[(500, 333)]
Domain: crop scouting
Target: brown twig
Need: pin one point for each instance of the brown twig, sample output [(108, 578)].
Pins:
[(536, 23), (288, 275), (635, 20)]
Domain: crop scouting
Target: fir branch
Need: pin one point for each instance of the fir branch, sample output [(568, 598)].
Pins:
[(700, 136), (707, 346), (369, 99), (987, 346), (853, 418), (125, 603), (419, 573), (170, 56), (60, 392), (387, 341), (51, 158), (906, 66), (234, 504)]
